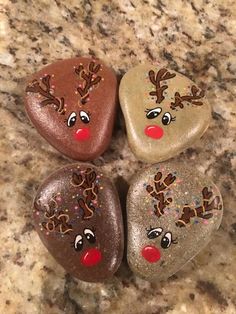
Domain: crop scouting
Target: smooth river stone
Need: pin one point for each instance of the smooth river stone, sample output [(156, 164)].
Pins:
[(172, 211), (78, 217), (72, 104), (164, 112)]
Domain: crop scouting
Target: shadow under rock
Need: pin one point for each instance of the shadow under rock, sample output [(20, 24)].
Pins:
[(122, 187), (119, 123)]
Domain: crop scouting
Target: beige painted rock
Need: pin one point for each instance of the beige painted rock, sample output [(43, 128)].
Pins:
[(164, 111), (172, 212)]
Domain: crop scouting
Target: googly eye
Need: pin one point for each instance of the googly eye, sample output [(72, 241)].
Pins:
[(78, 243), (167, 118), (90, 236), (71, 120), (154, 233), (84, 116), (166, 240), (153, 113)]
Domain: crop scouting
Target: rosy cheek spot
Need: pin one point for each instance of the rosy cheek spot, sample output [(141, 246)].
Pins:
[(151, 253), (91, 257), (82, 134), (154, 131)]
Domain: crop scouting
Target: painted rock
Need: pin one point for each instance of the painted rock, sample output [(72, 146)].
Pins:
[(72, 104), (78, 218), (171, 213), (164, 111)]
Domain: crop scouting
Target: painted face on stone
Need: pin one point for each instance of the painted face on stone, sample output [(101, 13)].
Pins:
[(74, 222), (151, 252), (72, 104), (91, 256), (169, 221), (164, 111)]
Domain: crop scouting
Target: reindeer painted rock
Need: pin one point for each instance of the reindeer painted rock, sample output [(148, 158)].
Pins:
[(172, 212), (72, 104), (78, 218), (164, 111)]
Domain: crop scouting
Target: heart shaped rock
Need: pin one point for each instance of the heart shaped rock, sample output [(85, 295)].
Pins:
[(72, 104), (78, 218), (164, 112), (171, 213)]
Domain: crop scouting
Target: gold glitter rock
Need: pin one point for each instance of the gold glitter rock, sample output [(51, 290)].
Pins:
[(171, 213)]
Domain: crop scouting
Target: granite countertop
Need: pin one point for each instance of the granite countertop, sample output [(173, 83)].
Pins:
[(194, 37)]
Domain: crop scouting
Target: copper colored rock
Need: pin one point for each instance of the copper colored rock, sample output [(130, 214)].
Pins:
[(72, 104)]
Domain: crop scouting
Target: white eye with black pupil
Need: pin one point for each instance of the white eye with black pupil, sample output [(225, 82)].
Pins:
[(84, 116), (71, 120), (152, 114), (167, 118), (166, 240), (78, 243), (90, 236), (154, 233)]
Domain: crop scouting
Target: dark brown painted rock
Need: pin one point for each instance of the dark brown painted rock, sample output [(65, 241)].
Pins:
[(78, 218), (172, 213), (72, 104)]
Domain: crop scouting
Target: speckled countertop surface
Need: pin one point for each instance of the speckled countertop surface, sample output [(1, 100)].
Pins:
[(194, 37)]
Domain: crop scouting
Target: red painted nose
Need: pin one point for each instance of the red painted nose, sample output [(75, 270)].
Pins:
[(82, 134), (91, 257), (151, 253), (154, 131)]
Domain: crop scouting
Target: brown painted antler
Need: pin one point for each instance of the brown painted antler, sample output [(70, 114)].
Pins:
[(162, 75), (46, 92), (90, 191), (196, 94), (90, 78), (203, 211), (56, 221), (157, 192)]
